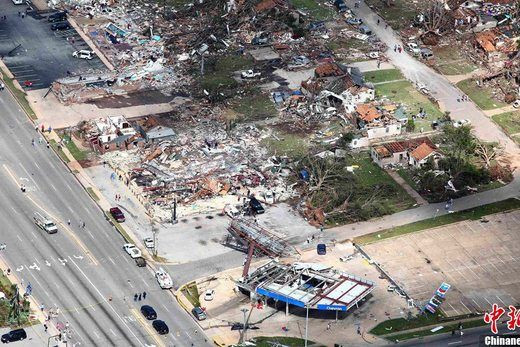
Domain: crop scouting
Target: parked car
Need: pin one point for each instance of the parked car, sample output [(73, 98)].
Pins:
[(256, 206), (132, 250), (199, 313), (60, 26), (426, 53), (231, 211), (321, 248), (18, 2), (365, 30), (14, 335), (209, 295), (316, 25), (250, 74), (148, 242), (516, 104), (413, 48), (57, 17), (84, 54), (373, 55), (160, 327), (117, 214), (354, 21), (140, 261), (341, 6), (460, 123), (148, 312)]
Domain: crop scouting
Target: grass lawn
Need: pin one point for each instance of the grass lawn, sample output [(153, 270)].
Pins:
[(369, 174), (472, 213), (20, 97), (191, 293), (383, 75), (315, 8), (286, 145), (509, 121), (348, 44), (58, 150), (219, 76), (399, 15), (450, 61), (77, 153), (446, 329), (118, 226), (405, 93), (91, 192), (262, 341), (254, 107), (6, 287), (407, 177), (483, 97), (401, 324)]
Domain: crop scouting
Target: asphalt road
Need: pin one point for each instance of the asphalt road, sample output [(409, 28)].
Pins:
[(82, 271)]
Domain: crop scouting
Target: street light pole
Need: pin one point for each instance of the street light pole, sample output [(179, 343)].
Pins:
[(242, 338), (306, 324)]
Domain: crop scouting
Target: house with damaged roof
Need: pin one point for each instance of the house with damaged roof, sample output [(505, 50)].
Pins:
[(373, 123), (414, 152)]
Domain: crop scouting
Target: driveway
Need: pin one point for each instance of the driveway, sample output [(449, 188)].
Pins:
[(447, 94), (35, 53)]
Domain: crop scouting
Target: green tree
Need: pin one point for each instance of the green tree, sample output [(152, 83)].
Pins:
[(410, 125)]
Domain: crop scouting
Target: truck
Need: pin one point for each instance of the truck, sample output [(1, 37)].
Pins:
[(45, 223), (250, 74)]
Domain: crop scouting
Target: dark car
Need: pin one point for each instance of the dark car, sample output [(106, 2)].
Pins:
[(14, 335), (57, 17), (256, 206), (160, 327), (60, 26), (199, 313), (321, 249), (140, 261), (148, 312), (117, 214)]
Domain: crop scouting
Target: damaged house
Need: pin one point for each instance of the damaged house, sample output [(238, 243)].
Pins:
[(112, 133), (414, 152), (374, 124)]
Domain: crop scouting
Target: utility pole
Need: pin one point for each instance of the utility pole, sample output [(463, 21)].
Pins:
[(306, 324), (154, 233), (243, 335)]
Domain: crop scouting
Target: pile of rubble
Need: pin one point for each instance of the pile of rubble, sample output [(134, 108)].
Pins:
[(202, 169)]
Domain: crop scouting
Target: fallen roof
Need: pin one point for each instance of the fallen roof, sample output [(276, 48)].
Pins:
[(306, 285), (486, 40), (329, 69), (367, 112), (407, 145)]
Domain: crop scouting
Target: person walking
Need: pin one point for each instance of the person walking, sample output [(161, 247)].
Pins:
[(45, 326), (144, 295), (139, 297), (68, 221)]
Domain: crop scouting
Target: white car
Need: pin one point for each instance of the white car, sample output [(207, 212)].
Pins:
[(18, 2), (516, 104), (413, 48), (462, 122), (148, 242), (132, 250), (163, 278), (231, 211), (373, 55), (250, 74), (209, 295), (83, 54)]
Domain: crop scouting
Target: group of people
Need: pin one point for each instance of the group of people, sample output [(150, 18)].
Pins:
[(139, 296)]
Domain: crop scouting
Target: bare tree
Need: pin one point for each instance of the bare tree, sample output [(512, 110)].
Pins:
[(435, 16), (487, 152)]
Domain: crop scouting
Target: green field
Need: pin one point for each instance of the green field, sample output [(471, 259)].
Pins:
[(509, 121), (482, 96), (378, 76), (314, 8)]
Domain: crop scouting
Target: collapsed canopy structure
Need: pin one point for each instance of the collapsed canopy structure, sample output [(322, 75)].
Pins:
[(308, 285)]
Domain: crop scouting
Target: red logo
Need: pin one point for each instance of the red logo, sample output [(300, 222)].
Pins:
[(514, 318), (493, 316)]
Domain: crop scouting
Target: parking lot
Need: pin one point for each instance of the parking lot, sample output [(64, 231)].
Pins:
[(478, 259), (34, 53)]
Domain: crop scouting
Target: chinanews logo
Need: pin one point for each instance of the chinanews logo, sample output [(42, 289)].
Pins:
[(492, 318)]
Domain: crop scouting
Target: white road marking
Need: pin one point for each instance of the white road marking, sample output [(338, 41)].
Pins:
[(130, 284), (454, 342), (107, 302), (166, 308), (113, 333), (19, 238), (112, 260), (36, 164), (88, 231), (145, 283), (95, 333), (14, 210), (53, 187)]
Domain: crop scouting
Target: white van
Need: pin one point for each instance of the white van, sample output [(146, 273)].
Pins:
[(45, 223), (18, 2)]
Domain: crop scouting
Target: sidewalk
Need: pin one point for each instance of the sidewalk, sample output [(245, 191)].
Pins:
[(419, 199), (429, 327)]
